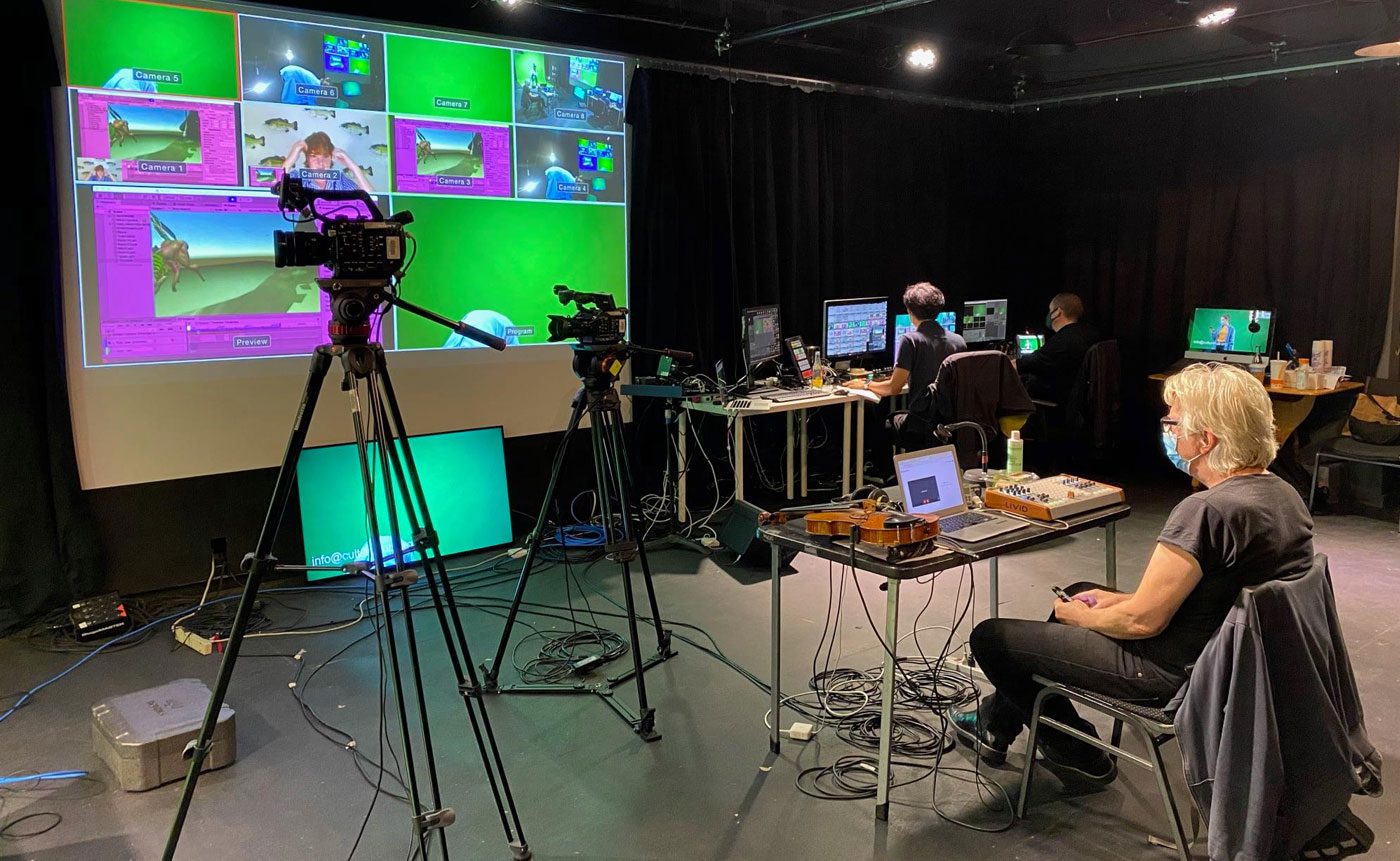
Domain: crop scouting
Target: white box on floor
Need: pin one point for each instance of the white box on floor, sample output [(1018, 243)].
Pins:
[(142, 735)]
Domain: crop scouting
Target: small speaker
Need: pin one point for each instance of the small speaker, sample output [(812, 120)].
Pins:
[(740, 534)]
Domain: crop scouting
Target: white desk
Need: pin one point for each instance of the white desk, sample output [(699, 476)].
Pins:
[(789, 409)]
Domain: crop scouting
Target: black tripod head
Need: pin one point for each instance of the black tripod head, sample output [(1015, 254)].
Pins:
[(598, 366)]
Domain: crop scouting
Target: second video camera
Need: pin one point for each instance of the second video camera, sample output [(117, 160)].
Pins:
[(597, 322)]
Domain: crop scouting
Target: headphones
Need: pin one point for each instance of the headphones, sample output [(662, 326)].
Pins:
[(871, 492)]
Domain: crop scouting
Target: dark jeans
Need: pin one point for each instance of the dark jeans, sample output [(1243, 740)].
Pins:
[(910, 431), (1011, 651)]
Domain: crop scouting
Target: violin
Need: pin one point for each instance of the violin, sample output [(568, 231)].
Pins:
[(869, 525)]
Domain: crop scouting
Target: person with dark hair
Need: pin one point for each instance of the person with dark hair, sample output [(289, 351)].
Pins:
[(321, 158), (1048, 373), (918, 356)]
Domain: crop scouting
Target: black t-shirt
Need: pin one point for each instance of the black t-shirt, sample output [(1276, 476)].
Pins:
[(921, 353), (1244, 531), (1049, 372)]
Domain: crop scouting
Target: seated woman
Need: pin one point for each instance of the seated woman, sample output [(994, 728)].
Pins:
[(1246, 527)]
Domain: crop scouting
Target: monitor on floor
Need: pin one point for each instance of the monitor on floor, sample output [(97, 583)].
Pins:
[(1230, 334), (464, 481), (984, 320), (761, 333), (853, 328)]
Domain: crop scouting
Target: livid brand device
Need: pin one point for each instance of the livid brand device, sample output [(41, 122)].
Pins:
[(1053, 498)]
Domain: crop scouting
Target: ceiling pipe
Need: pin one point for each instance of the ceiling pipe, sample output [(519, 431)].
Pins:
[(725, 40)]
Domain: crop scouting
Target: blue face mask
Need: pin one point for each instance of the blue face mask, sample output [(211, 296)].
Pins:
[(1169, 447)]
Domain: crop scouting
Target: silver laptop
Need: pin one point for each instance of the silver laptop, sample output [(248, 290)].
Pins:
[(931, 483)]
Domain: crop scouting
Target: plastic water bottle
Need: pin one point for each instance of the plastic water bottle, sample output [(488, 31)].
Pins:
[(1015, 453)]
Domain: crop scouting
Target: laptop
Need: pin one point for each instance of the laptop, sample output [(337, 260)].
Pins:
[(1027, 344), (931, 483)]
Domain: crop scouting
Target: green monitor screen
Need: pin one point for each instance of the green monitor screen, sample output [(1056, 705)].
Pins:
[(1238, 331), (464, 480)]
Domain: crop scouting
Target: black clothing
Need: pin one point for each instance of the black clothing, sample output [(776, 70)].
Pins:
[(1011, 651), (1049, 372), (982, 387), (1244, 531), (921, 352)]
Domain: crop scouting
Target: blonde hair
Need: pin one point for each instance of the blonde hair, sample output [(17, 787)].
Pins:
[(1231, 404)]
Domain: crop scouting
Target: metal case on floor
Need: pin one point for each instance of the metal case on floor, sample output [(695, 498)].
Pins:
[(142, 735)]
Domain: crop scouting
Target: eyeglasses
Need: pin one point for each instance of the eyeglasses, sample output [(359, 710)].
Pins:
[(1170, 425)]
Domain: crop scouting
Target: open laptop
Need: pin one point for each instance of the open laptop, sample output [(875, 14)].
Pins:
[(931, 483)]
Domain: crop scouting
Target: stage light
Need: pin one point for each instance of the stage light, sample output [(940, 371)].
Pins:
[(259, 88), (921, 58), (1216, 17), (289, 55), (510, 4)]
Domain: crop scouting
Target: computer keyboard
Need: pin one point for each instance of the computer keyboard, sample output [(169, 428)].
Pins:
[(793, 395), (954, 522)]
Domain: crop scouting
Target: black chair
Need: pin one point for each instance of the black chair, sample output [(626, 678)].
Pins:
[(1085, 426), (1347, 449)]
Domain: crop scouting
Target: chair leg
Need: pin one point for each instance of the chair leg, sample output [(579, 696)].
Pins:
[(1029, 768), (1183, 847), (1312, 486), (1117, 738)]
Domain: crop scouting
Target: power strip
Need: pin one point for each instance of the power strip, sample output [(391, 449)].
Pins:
[(199, 643)]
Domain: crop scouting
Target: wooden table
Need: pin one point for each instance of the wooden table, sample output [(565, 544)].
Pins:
[(1292, 406)]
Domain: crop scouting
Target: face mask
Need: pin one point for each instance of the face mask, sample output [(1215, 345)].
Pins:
[(1169, 447), (1050, 320)]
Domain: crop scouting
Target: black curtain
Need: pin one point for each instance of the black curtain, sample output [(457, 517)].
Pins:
[(49, 552), (747, 194), (1277, 195)]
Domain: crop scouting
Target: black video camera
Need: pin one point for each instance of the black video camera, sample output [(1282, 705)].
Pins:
[(351, 246), (597, 322)]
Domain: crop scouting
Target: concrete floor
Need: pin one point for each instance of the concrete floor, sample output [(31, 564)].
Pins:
[(585, 785)]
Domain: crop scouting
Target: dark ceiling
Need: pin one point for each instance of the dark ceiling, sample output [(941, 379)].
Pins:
[(1119, 44)]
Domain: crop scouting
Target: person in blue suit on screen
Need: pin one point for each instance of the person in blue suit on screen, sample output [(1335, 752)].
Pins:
[(125, 79), (493, 322), (1223, 336), (555, 180), (292, 75)]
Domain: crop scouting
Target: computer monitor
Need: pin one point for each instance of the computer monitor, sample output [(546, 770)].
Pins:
[(855, 327), (1027, 344), (903, 323), (761, 334), (984, 320), (1230, 334), (464, 481)]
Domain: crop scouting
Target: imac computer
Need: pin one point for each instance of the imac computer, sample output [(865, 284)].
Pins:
[(1230, 334), (984, 321), (902, 323), (855, 328)]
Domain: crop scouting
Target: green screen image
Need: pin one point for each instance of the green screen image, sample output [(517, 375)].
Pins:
[(1226, 330), (151, 47), (464, 482), (494, 263), (528, 63), (438, 78)]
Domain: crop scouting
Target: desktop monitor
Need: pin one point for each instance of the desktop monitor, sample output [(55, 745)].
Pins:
[(902, 323), (761, 334), (1027, 344), (1229, 334), (464, 481), (984, 320), (855, 327)]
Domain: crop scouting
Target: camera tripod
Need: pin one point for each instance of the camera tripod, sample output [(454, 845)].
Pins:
[(598, 366), (381, 443)]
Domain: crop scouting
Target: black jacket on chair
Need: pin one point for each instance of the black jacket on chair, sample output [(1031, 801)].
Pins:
[(977, 387), (1049, 372)]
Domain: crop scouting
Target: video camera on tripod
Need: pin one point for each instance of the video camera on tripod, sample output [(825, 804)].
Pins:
[(597, 322)]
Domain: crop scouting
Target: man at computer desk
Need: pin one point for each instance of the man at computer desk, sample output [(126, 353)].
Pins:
[(1049, 372), (918, 356)]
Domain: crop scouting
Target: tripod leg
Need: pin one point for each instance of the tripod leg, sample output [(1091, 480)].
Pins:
[(627, 499), (459, 652), (623, 546), (425, 822), (493, 672), (262, 563)]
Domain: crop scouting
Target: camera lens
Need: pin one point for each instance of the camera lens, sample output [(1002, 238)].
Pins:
[(295, 248), (562, 328)]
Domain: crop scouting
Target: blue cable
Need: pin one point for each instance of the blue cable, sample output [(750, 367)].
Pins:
[(581, 535), (129, 634), (48, 775)]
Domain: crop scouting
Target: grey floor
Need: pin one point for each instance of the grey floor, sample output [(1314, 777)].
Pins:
[(588, 788)]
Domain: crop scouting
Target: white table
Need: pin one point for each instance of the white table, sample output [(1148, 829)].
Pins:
[(789, 410)]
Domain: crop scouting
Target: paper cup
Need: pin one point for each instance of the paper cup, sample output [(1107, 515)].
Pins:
[(1277, 369)]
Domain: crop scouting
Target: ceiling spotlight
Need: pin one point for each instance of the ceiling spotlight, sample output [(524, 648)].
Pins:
[(1216, 17), (510, 4), (921, 58)]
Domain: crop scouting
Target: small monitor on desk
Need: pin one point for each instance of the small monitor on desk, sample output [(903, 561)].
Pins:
[(984, 320), (853, 328), (761, 334), (1229, 334), (1027, 344)]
